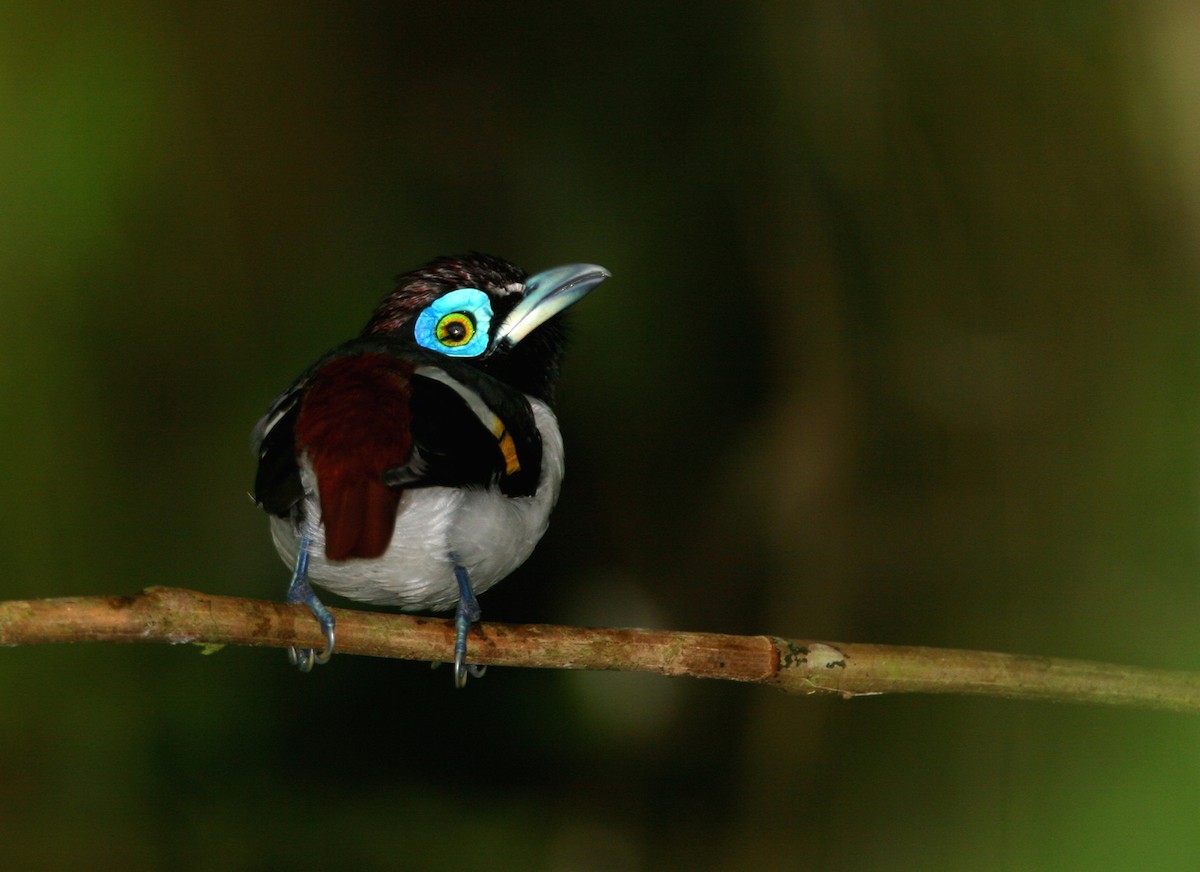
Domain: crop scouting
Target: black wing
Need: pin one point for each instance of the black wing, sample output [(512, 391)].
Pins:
[(469, 430), (277, 486)]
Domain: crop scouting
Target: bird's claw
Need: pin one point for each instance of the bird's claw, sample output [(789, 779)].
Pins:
[(467, 614), (462, 669), (305, 658)]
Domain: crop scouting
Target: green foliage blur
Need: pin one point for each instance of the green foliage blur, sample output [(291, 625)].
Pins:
[(902, 345)]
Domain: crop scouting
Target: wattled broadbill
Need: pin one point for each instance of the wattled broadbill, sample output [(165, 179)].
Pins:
[(416, 465)]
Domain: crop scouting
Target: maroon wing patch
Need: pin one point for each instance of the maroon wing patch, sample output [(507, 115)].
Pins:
[(354, 423)]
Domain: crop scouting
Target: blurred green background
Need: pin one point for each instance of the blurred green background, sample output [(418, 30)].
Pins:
[(901, 346)]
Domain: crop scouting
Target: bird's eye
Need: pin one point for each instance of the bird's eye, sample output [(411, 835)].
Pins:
[(455, 329), (456, 324)]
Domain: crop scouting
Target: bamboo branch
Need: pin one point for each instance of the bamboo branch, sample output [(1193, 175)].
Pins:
[(176, 616)]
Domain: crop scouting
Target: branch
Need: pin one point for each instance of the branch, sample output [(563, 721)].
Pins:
[(176, 616)]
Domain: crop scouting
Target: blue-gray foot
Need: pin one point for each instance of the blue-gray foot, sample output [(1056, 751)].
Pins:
[(465, 615), (300, 591)]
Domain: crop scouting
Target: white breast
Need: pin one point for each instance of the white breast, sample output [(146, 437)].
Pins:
[(492, 534)]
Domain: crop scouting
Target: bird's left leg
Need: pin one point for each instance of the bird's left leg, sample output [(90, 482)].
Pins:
[(300, 591), (465, 615)]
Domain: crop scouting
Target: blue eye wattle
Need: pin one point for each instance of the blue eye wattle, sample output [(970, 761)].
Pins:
[(457, 324)]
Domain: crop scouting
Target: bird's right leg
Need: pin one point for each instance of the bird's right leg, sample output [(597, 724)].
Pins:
[(300, 591)]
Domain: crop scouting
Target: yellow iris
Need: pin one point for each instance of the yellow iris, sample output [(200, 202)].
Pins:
[(455, 329)]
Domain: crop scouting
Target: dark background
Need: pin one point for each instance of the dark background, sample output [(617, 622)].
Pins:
[(901, 345)]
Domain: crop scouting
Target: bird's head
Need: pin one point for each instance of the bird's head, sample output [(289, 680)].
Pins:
[(487, 311)]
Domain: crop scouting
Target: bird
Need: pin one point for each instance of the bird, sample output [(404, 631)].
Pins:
[(417, 464)]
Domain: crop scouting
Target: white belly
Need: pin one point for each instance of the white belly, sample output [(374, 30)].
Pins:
[(492, 534)]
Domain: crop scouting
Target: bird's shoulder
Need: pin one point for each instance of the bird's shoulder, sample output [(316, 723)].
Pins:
[(412, 418)]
